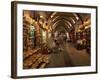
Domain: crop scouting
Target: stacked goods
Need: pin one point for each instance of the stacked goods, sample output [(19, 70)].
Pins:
[(26, 39), (30, 52), (45, 49), (37, 60)]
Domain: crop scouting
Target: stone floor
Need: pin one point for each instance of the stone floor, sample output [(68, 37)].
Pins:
[(69, 57), (65, 56)]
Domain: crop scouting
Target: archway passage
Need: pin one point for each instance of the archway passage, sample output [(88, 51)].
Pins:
[(56, 39)]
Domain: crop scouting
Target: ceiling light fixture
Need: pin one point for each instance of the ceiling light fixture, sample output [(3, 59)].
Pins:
[(41, 16)]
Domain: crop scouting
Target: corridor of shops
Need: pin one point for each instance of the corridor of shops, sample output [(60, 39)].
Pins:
[(56, 39)]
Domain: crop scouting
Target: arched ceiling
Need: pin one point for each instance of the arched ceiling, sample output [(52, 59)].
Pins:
[(69, 19), (66, 23), (56, 19)]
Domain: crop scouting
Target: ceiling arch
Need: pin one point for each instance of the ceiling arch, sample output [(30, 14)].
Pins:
[(65, 18), (62, 23), (69, 18)]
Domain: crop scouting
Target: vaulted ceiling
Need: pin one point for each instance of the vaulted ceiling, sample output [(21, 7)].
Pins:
[(54, 20)]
